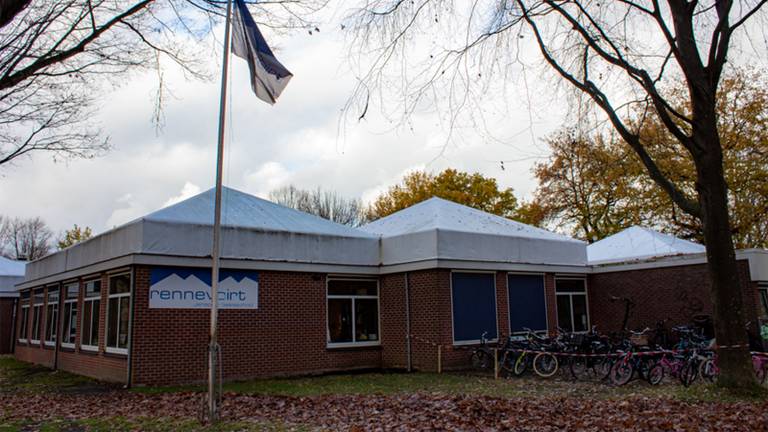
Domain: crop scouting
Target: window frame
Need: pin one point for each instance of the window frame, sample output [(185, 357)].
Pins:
[(570, 295), (546, 303), (52, 324), (36, 324), (762, 293), (495, 308), (110, 296), (66, 318), (84, 346), (352, 298), (24, 320)]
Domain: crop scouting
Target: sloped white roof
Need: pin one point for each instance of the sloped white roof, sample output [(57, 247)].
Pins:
[(239, 209), (440, 214), (637, 243), (9, 267), (438, 229)]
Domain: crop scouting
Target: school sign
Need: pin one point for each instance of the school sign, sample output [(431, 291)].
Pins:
[(190, 288)]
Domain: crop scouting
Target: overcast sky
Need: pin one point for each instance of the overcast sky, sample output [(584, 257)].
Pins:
[(298, 141)]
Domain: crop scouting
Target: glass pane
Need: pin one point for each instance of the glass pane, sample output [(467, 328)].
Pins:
[(25, 294), (580, 320), (113, 314), (36, 322), (122, 337), (23, 324), (72, 291), (120, 284), (53, 295), (570, 285), (93, 288), (70, 325), (366, 320), (39, 296), (352, 287), (85, 337), (95, 316), (764, 302), (50, 322), (340, 320), (564, 312)]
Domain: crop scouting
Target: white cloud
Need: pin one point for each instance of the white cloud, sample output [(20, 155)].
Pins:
[(187, 191)]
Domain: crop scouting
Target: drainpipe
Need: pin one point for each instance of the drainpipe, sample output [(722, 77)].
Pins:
[(408, 323), (59, 322), (129, 366), (16, 304)]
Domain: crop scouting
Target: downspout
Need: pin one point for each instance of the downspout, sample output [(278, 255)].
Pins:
[(57, 342), (408, 323), (129, 366), (14, 315)]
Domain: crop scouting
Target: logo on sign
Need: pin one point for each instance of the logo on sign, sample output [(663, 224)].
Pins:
[(185, 288)]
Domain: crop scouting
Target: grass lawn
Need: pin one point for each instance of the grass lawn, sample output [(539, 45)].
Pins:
[(21, 380)]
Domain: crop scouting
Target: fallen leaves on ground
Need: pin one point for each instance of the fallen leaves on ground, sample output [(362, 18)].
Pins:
[(418, 411)]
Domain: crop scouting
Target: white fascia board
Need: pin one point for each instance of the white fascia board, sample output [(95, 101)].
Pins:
[(482, 266)]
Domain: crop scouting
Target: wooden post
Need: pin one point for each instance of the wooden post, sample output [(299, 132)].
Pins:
[(495, 363), (439, 359)]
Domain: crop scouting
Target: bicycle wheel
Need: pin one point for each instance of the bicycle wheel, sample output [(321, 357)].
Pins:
[(508, 363), (602, 367), (621, 372), (708, 370), (545, 364), (760, 375), (480, 360), (578, 366), (656, 374), (688, 373), (521, 364)]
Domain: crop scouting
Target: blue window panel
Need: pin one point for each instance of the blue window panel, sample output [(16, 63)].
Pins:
[(527, 304), (474, 306)]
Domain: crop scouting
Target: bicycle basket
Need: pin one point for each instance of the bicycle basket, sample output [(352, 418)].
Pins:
[(641, 339)]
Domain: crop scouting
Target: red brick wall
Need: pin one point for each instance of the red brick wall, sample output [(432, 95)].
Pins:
[(285, 335), (393, 321), (6, 324), (672, 293)]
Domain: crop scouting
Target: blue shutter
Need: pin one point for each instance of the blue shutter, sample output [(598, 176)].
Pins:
[(474, 306), (527, 305)]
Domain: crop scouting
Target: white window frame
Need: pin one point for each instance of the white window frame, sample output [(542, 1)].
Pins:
[(25, 320), (352, 298), (83, 346), (107, 348), (570, 295), (546, 303), (35, 305), (56, 311), (67, 319), (495, 309)]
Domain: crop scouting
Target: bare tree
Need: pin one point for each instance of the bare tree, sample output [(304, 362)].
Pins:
[(25, 239), (618, 55), (56, 57), (326, 204)]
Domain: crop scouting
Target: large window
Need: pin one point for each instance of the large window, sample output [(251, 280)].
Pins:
[(118, 313), (38, 298), (51, 316), (69, 327), (572, 310), (353, 312), (89, 335), (527, 303), (24, 316), (473, 298)]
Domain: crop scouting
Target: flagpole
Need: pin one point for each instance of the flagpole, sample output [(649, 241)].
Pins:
[(213, 348)]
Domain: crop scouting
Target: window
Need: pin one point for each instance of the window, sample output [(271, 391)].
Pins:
[(24, 316), (527, 303), (353, 312), (762, 289), (89, 337), (473, 300), (118, 310), (69, 328), (572, 310), (38, 297), (51, 316)]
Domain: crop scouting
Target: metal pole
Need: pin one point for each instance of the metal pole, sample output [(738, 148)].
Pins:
[(213, 348)]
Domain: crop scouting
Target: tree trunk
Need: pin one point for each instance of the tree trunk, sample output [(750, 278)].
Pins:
[(726, 291)]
